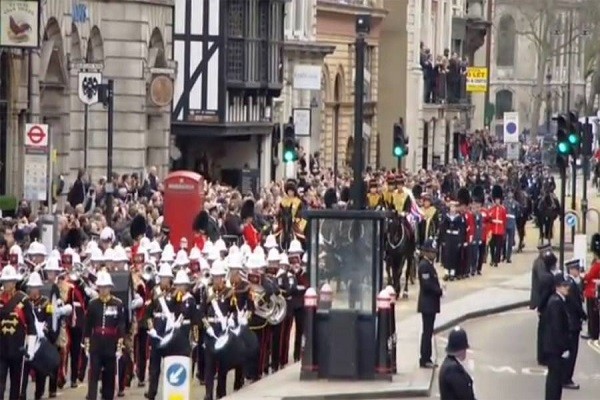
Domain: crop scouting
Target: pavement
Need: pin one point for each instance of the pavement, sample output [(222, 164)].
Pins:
[(502, 355)]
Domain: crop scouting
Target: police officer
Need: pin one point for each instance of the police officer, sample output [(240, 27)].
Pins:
[(574, 301), (104, 332), (543, 289), (429, 300), (556, 338), (454, 381), (16, 327)]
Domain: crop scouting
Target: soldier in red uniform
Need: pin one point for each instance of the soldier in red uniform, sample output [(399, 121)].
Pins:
[(250, 233), (137, 229), (464, 201), (497, 215), (200, 226)]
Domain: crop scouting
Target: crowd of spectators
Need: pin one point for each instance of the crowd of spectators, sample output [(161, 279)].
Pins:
[(444, 78)]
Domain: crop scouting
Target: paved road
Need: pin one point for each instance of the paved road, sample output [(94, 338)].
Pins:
[(502, 360)]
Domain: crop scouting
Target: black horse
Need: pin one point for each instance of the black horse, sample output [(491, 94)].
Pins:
[(548, 210), (400, 246)]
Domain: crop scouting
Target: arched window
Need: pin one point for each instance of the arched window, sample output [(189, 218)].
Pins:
[(504, 103), (505, 48)]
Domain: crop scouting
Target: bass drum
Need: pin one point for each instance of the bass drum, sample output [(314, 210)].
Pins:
[(46, 359), (250, 340), (232, 355)]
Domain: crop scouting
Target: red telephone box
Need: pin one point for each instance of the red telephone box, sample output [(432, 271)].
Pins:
[(183, 200)]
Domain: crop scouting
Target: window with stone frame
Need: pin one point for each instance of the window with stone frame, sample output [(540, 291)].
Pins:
[(505, 42), (504, 103)]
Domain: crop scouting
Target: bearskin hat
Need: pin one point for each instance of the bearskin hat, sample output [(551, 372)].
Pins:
[(463, 196), (34, 234), (73, 239), (290, 184), (595, 245), (478, 194), (345, 194), (417, 191), (138, 227), (247, 209), (330, 198), (201, 221), (497, 192)]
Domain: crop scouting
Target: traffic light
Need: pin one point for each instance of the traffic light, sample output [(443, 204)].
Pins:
[(400, 147), (563, 145), (574, 130), (587, 140), (290, 153)]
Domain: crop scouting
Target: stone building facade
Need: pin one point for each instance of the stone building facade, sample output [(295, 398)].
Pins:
[(336, 22), (513, 84), (432, 128), (127, 41)]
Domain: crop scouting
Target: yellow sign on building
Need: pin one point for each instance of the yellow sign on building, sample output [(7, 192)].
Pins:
[(477, 79)]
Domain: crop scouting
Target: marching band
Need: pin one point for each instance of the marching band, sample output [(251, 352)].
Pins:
[(112, 313)]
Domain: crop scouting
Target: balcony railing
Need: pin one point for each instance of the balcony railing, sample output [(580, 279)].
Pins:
[(445, 88)]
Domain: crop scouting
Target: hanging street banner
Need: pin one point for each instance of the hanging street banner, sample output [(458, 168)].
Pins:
[(20, 23), (511, 127), (477, 79)]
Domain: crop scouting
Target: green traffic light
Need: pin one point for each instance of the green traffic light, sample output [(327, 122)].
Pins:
[(398, 151), (288, 156), (574, 139), (564, 148)]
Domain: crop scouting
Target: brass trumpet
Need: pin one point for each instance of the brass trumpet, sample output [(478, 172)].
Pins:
[(149, 271)]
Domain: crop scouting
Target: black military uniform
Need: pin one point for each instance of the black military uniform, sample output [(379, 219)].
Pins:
[(42, 309), (556, 339), (240, 302), (104, 332), (454, 381), (199, 292), (429, 300), (221, 296), (297, 306), (16, 323), (574, 301), (157, 322), (453, 234)]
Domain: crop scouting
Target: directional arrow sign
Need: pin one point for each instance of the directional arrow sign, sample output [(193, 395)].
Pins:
[(176, 379)]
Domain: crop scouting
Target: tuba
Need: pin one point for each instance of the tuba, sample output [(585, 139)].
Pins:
[(149, 271), (272, 308)]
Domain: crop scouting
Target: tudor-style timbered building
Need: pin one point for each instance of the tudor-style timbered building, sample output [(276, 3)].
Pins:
[(229, 61)]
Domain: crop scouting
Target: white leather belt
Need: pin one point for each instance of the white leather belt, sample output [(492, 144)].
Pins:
[(497, 221), (452, 232), (76, 304), (510, 215)]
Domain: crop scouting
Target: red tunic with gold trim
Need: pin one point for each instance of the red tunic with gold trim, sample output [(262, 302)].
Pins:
[(199, 241), (251, 235)]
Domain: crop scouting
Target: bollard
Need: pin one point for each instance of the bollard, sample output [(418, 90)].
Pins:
[(309, 368), (393, 354), (325, 297), (382, 363)]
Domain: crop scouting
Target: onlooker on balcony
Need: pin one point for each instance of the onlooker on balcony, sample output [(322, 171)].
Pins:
[(454, 79), (441, 74), (428, 74)]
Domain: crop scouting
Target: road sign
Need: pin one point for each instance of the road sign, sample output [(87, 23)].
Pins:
[(571, 220), (36, 135), (88, 87), (176, 379), (511, 127)]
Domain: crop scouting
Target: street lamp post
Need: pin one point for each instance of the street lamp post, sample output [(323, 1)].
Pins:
[(548, 101)]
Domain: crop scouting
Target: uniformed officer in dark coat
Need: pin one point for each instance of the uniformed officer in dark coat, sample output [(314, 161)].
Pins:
[(454, 381), (453, 234), (429, 300), (556, 337), (541, 289), (577, 315), (104, 332)]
